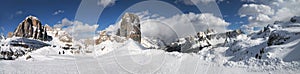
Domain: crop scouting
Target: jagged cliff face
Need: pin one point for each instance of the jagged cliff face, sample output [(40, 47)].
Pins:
[(31, 27), (130, 27), (201, 40)]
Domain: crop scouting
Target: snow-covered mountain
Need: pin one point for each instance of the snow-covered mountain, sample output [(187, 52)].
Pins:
[(240, 45), (278, 40), (203, 40), (31, 35), (273, 48)]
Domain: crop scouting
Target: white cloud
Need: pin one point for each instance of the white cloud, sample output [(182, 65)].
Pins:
[(260, 18), (264, 12), (58, 12), (248, 0), (180, 25), (81, 30), (146, 15), (286, 9), (64, 22), (191, 2), (186, 2), (177, 26), (106, 2), (111, 29), (160, 30), (255, 9), (19, 12), (77, 29), (16, 14), (247, 28), (197, 22)]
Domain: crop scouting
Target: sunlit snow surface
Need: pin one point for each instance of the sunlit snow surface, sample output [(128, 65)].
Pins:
[(130, 57)]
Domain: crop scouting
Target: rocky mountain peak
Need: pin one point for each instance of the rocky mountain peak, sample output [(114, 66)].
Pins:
[(31, 27), (130, 27), (34, 20)]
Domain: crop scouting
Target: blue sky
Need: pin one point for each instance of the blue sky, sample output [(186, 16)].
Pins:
[(52, 12)]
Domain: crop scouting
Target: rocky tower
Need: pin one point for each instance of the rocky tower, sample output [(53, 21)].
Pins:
[(130, 27), (31, 27)]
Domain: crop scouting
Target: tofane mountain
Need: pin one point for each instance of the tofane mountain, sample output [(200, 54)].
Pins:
[(32, 27)]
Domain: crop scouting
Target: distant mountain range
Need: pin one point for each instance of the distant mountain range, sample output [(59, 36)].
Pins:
[(277, 40)]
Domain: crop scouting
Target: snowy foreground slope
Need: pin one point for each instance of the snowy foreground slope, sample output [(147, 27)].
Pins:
[(136, 60), (273, 50)]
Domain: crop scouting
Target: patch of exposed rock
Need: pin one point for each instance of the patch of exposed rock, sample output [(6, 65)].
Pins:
[(295, 19), (103, 37), (10, 34)]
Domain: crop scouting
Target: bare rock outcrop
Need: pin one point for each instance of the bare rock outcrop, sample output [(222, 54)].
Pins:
[(103, 37), (295, 19)]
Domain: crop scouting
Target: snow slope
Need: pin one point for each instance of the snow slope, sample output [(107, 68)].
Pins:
[(137, 60)]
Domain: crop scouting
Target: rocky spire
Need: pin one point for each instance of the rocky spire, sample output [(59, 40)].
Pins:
[(130, 27)]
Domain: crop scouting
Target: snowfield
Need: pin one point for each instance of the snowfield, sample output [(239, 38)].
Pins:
[(131, 57)]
